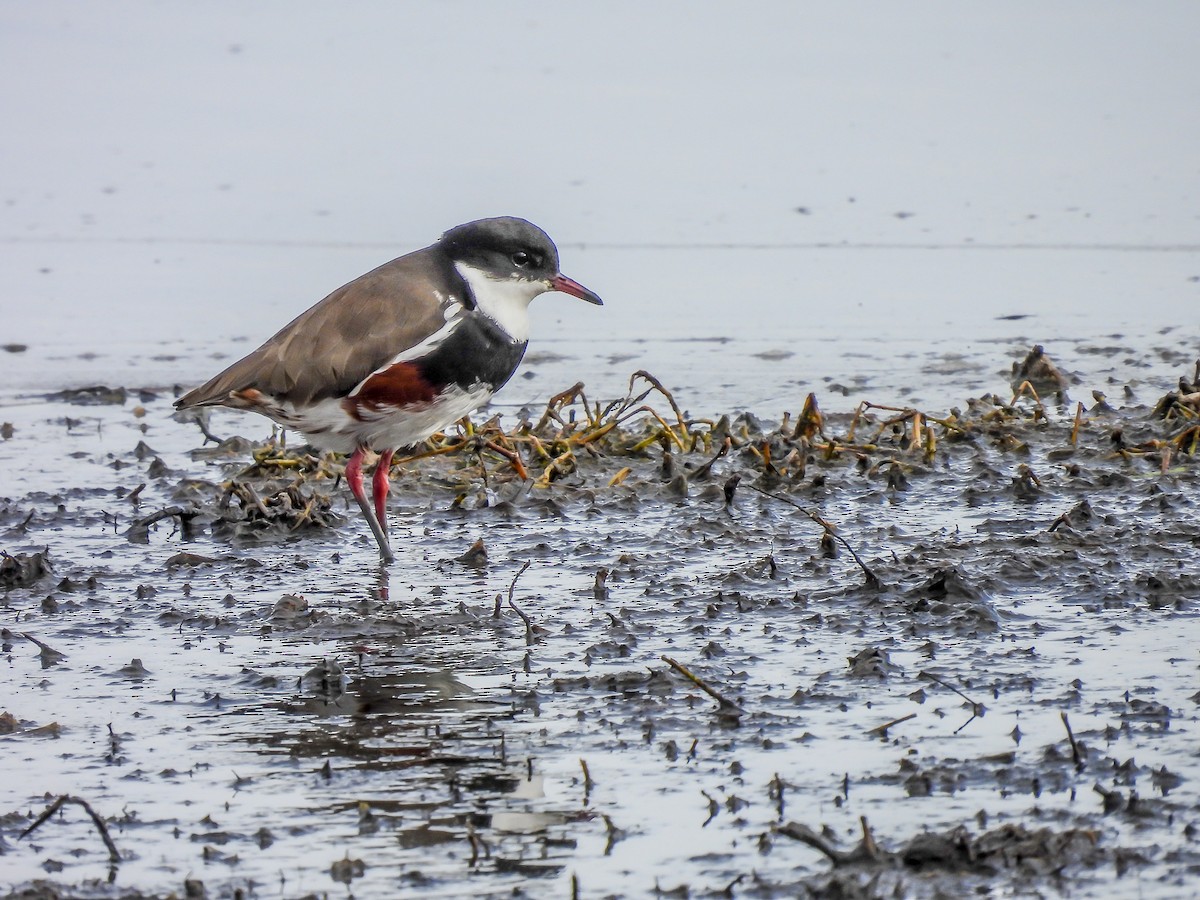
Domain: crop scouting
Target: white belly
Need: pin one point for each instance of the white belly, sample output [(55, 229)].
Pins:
[(328, 426)]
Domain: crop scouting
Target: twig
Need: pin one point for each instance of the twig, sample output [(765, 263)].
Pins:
[(703, 471), (513, 606), (872, 579), (170, 512), (866, 851), (41, 645), (1078, 422), (882, 730), (868, 844), (202, 423), (476, 842), (1075, 754), (806, 835), (524, 618), (245, 491), (713, 807), (976, 708), (201, 420), (621, 475), (113, 854), (514, 458), (1026, 388), (48, 654), (646, 376), (437, 451), (557, 401), (687, 673), (587, 780), (513, 585)]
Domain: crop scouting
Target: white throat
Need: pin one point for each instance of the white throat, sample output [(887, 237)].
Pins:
[(503, 300)]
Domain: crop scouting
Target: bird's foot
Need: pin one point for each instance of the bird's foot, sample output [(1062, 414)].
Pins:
[(378, 529)]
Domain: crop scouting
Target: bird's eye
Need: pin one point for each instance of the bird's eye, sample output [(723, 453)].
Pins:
[(524, 260)]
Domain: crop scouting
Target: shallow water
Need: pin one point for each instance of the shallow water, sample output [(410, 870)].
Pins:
[(735, 328), (303, 721), (868, 202)]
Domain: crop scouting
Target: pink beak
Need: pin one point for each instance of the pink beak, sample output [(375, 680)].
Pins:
[(574, 288)]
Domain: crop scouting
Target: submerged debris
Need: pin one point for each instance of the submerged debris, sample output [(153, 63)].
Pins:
[(755, 617), (632, 448)]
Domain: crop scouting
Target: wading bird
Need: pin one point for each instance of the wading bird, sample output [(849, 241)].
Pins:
[(402, 351)]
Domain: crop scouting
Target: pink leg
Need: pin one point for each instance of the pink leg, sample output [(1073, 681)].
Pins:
[(354, 475), (355, 480), (380, 484)]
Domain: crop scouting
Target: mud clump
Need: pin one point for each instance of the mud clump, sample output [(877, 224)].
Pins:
[(95, 395), (949, 863), (1038, 371), (23, 569)]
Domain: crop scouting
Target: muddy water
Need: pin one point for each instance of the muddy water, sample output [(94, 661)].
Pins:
[(256, 708)]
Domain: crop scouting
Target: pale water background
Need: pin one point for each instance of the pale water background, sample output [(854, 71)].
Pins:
[(866, 187)]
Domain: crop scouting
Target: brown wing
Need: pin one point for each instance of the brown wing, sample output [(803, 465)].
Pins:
[(329, 349)]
